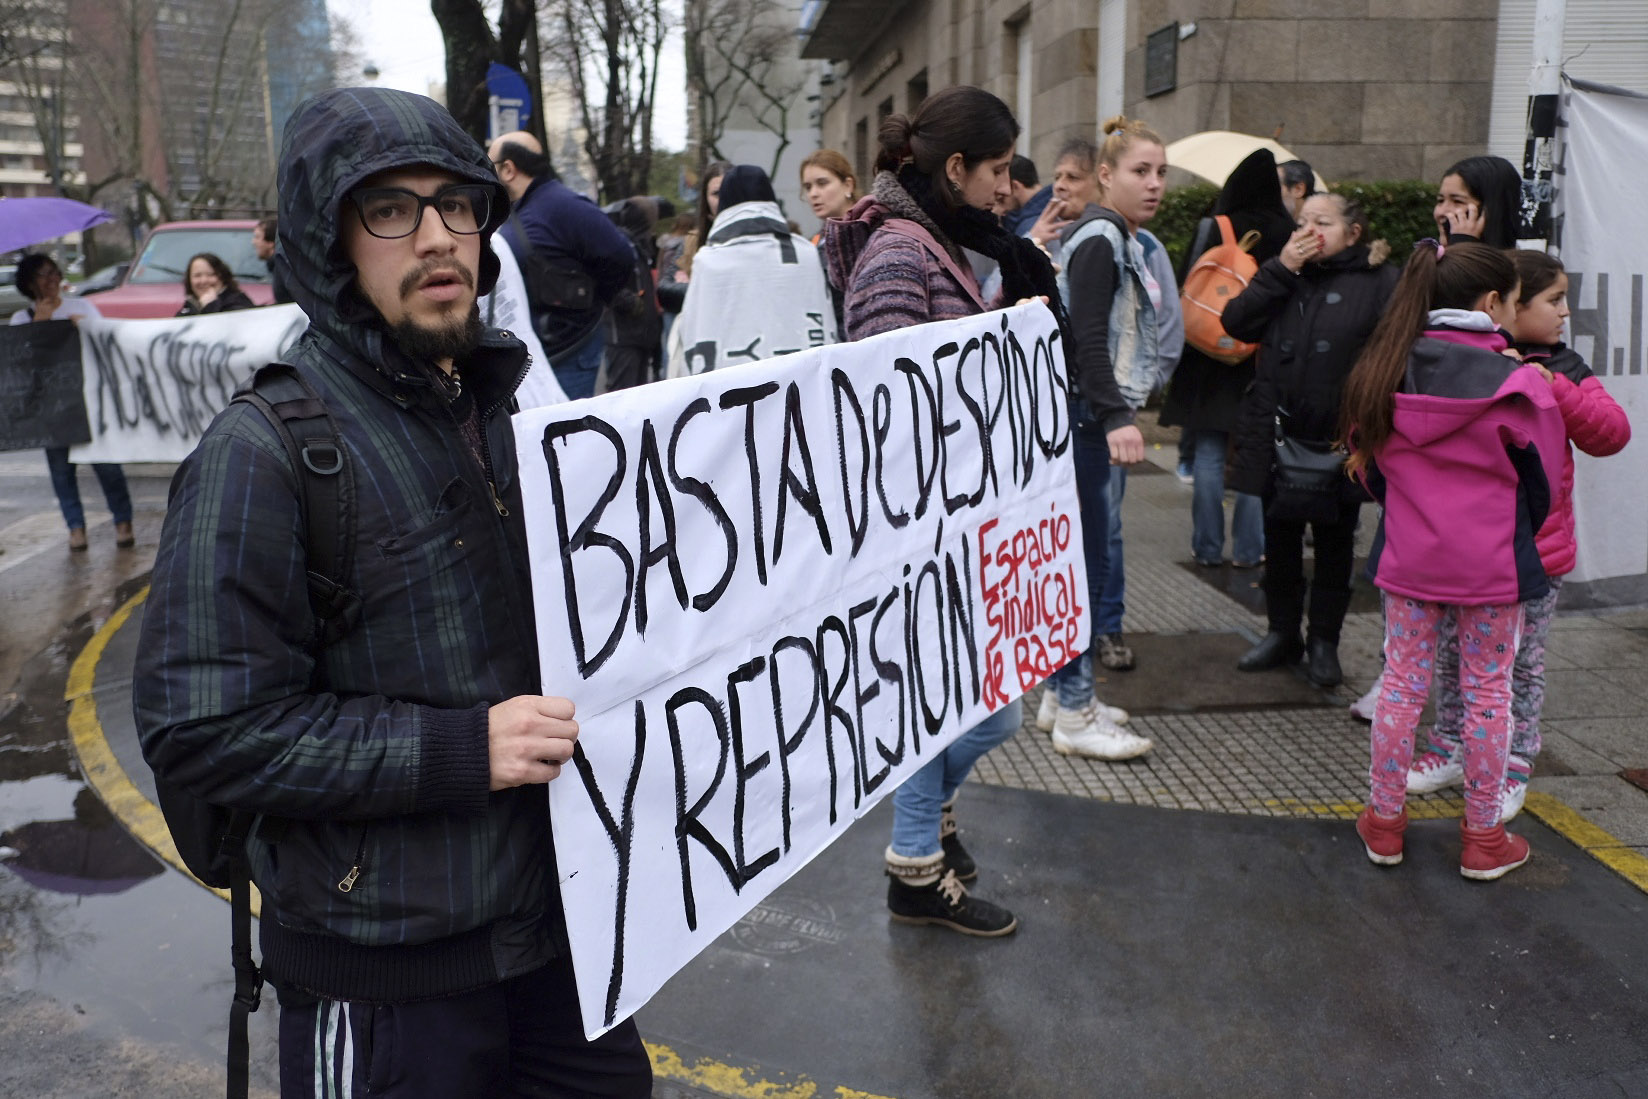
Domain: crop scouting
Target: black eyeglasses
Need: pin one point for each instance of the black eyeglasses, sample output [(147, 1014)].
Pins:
[(394, 212)]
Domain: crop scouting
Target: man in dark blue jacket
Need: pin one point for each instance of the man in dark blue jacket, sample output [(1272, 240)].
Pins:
[(411, 922), (572, 255)]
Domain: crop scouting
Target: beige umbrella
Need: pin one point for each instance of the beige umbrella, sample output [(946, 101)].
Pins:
[(1214, 154)]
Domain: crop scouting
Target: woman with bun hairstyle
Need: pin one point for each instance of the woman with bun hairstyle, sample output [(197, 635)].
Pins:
[(1114, 300), (1310, 308), (898, 258), (1464, 447), (1480, 200)]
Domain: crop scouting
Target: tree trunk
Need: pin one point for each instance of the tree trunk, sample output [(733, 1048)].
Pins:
[(470, 48)]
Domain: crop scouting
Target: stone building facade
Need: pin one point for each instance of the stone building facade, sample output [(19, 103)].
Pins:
[(1364, 89)]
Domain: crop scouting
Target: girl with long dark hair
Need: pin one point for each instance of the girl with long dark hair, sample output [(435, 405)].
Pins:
[(1463, 445)]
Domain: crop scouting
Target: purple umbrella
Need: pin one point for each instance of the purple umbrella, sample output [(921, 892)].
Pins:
[(26, 221)]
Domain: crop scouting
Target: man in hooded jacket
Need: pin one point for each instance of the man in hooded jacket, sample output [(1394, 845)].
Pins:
[(411, 923)]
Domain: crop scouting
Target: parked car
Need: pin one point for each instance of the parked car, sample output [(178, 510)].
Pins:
[(153, 286), (104, 278), (11, 298)]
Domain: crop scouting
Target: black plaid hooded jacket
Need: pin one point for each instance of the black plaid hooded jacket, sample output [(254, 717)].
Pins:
[(371, 753)]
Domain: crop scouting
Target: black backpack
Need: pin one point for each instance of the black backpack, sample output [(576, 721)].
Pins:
[(211, 839)]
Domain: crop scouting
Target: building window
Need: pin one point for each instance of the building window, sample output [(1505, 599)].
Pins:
[(861, 149), (883, 109), (915, 92), (1017, 63)]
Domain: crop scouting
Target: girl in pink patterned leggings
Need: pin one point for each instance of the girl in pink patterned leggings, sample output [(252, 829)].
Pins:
[(1463, 445)]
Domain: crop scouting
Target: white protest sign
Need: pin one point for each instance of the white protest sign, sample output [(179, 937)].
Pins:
[(152, 386), (1606, 256), (774, 591), (506, 308)]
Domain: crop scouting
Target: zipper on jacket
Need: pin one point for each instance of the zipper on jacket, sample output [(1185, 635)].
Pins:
[(503, 512), (354, 874)]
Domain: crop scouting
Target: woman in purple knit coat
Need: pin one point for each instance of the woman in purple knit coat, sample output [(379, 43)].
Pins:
[(900, 258)]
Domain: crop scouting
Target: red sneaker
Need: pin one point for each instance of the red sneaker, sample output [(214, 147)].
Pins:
[(1490, 853), (1382, 836)]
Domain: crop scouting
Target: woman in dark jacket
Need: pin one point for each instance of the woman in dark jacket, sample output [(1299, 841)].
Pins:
[(1311, 309), (1205, 398), (210, 287)]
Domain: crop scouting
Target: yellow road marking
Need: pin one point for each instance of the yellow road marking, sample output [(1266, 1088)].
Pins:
[(1607, 849), (141, 817), (735, 1083)]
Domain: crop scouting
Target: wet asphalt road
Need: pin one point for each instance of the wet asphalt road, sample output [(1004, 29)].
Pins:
[(113, 969)]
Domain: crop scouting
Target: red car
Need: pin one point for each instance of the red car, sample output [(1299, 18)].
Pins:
[(153, 286)]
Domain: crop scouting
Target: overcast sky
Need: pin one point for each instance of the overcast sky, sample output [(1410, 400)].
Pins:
[(403, 40)]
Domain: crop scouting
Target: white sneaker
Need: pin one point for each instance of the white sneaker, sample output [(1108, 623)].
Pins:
[(1363, 707), (1088, 732), (1517, 770), (1434, 771), (1048, 712)]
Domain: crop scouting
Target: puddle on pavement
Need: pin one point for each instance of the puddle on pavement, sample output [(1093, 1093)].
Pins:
[(88, 916)]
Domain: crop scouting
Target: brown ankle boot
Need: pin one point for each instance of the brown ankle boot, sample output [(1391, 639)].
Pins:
[(77, 539), (123, 536)]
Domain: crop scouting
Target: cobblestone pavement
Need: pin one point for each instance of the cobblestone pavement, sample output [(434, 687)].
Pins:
[(1290, 750)]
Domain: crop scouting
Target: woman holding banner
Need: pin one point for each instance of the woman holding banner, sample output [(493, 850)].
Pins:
[(41, 281), (898, 257)]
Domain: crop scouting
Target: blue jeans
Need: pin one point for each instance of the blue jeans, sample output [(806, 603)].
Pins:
[(67, 488), (576, 369), (1207, 507), (918, 804), (1091, 451), (1112, 603)]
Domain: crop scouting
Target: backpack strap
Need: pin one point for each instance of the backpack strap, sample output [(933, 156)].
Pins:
[(248, 977), (325, 489), (326, 493)]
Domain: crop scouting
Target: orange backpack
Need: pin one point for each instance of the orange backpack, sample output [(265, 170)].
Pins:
[(1219, 274)]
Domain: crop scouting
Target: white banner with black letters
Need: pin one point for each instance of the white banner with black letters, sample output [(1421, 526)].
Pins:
[(152, 386), (1605, 252), (774, 591)]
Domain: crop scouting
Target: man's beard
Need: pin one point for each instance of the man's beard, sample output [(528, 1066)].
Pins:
[(454, 338)]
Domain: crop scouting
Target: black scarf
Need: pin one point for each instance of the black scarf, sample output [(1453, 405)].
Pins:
[(1026, 272)]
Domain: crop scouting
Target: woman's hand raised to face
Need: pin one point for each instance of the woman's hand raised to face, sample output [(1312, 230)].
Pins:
[(1466, 220), (1301, 247)]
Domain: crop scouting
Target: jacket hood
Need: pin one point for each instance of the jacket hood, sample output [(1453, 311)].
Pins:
[(332, 143), (1450, 386), (845, 238), (745, 183), (748, 219), (1253, 185)]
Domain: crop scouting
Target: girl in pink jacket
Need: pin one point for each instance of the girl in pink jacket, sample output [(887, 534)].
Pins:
[(1596, 424), (1463, 446)]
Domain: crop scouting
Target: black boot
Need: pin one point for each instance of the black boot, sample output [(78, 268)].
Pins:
[(1273, 651), (946, 902), (1322, 663), (956, 857)]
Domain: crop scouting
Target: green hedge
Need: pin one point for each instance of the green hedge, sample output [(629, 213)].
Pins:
[(1399, 210)]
